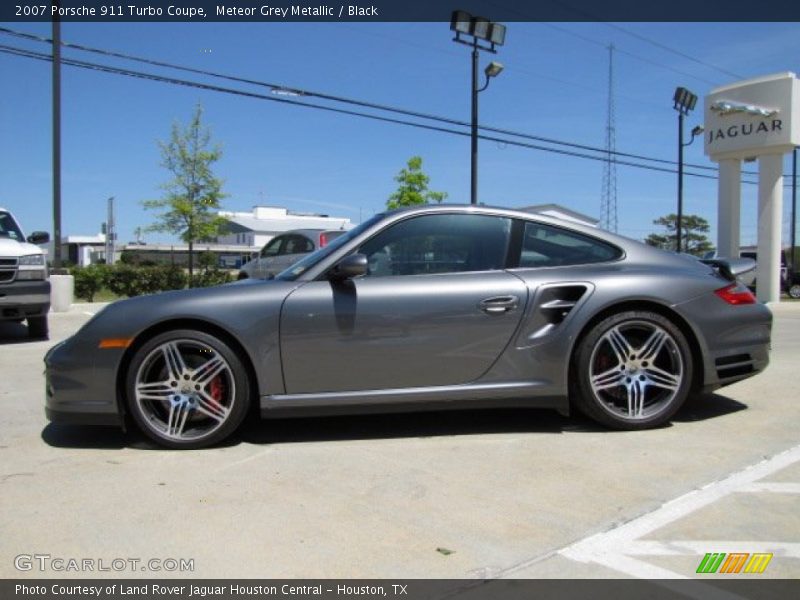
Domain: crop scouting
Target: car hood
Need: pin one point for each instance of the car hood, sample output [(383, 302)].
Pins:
[(235, 307), (9, 247)]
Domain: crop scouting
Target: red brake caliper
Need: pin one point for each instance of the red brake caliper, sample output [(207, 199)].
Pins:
[(217, 388)]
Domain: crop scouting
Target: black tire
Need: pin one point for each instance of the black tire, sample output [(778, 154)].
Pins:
[(172, 403), (794, 291), (38, 328), (621, 390), (242, 276)]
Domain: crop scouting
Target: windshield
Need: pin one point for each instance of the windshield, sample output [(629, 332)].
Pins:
[(9, 227), (309, 261)]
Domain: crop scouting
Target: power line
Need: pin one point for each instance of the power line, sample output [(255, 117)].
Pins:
[(630, 54), (590, 40), (182, 82), (355, 102), (657, 44), (592, 17)]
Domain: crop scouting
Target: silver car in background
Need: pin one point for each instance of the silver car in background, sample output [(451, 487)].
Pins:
[(284, 250), (433, 307)]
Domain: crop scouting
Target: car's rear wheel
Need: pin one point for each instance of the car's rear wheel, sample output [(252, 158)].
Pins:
[(38, 328), (794, 291), (187, 389), (634, 371)]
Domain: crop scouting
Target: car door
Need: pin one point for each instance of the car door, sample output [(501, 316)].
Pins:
[(436, 308)]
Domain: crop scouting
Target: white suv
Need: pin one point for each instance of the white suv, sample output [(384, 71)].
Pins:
[(24, 287)]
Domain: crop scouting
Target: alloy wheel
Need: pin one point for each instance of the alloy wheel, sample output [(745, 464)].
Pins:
[(636, 370), (184, 390)]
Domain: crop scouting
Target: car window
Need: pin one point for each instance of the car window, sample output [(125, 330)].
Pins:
[(441, 243), (8, 227), (273, 248), (297, 244), (548, 246)]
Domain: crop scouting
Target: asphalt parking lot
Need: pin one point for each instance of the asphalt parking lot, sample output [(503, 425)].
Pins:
[(524, 494)]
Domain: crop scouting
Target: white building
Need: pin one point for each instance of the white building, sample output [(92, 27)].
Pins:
[(254, 229)]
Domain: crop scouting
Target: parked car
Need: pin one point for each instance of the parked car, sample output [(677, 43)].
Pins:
[(432, 307), (792, 285), (286, 249), (24, 287)]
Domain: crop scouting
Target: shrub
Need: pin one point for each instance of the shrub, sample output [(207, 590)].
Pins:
[(123, 280), (210, 277), (89, 280)]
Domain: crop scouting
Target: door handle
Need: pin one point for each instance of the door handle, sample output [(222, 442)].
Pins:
[(499, 305)]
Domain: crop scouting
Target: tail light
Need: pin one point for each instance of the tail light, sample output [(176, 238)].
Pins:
[(323, 240), (736, 293)]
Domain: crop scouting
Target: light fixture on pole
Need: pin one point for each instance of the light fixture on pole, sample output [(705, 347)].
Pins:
[(685, 102), (480, 29)]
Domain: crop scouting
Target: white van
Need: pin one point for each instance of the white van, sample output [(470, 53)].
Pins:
[(24, 286)]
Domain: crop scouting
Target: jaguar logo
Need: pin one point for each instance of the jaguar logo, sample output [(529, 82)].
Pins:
[(727, 107)]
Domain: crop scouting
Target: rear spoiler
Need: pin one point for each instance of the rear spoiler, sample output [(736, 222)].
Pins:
[(730, 268)]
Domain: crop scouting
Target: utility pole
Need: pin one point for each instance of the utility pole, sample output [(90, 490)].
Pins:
[(110, 233), (794, 212), (56, 141)]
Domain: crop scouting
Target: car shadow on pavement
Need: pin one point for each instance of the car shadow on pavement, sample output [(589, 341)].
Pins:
[(329, 429), (60, 435), (382, 426), (707, 406), (405, 425)]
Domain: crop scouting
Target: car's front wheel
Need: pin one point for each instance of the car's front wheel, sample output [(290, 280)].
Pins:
[(633, 371), (794, 291), (187, 389)]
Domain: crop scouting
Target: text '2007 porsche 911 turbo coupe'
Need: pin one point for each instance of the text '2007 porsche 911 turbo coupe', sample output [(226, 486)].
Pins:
[(431, 307)]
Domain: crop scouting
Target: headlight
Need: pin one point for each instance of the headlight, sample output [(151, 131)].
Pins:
[(28, 274), (32, 259)]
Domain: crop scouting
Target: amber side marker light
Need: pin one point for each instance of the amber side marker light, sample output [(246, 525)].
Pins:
[(115, 343)]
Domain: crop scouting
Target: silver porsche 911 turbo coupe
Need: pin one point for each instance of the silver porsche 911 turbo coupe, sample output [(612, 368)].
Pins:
[(431, 307)]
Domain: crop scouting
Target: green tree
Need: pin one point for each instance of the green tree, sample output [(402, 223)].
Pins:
[(193, 193), (413, 187), (693, 234)]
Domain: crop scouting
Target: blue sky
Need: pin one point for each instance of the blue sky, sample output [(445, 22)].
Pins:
[(554, 85)]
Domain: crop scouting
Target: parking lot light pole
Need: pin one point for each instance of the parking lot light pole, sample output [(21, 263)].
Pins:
[(684, 102), (478, 28)]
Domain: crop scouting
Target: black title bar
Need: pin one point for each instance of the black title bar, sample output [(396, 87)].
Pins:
[(276, 11)]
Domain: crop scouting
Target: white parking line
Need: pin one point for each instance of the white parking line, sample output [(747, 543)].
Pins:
[(615, 548)]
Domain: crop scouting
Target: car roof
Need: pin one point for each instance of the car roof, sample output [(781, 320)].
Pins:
[(308, 232), (505, 211)]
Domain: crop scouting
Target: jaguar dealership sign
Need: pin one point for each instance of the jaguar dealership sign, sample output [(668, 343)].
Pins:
[(748, 120), (752, 117)]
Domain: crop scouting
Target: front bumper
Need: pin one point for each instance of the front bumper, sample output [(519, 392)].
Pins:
[(22, 299), (81, 384)]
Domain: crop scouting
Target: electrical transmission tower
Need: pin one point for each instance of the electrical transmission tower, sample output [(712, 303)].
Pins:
[(608, 195)]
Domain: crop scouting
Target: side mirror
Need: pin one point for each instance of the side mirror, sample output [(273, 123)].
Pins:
[(349, 267), (39, 237)]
